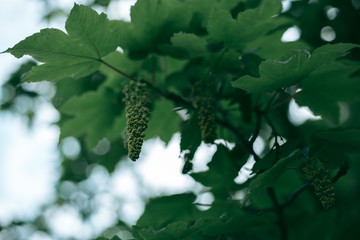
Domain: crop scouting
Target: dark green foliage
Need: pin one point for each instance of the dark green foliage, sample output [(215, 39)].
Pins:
[(221, 185), (216, 71)]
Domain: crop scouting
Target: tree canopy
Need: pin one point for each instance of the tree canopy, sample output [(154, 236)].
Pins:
[(216, 72)]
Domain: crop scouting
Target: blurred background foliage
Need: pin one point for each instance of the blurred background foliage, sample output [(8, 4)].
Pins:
[(318, 22)]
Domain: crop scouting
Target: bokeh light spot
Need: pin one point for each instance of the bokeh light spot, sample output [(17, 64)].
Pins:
[(70, 147), (327, 34), (291, 34)]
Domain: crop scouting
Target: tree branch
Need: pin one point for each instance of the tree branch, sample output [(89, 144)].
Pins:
[(285, 101), (242, 138), (295, 194), (219, 58), (341, 172), (276, 135), (181, 101), (257, 128)]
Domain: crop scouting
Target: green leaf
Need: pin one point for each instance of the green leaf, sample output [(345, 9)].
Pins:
[(277, 74), (113, 238), (329, 52), (190, 135), (269, 160), (240, 226), (274, 75), (323, 89), (270, 46), (176, 230), (249, 25), (93, 114), (222, 27), (191, 45), (202, 10), (76, 54), (164, 122), (341, 138), (268, 178), (178, 207), (114, 80), (221, 174), (153, 22), (69, 87)]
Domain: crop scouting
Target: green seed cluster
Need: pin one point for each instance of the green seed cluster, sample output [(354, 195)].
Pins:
[(136, 100), (315, 172), (204, 102)]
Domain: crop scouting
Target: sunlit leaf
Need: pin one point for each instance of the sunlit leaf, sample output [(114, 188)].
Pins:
[(76, 54)]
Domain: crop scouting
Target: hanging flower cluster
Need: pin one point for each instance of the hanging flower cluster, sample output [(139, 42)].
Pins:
[(203, 99), (137, 101), (318, 176)]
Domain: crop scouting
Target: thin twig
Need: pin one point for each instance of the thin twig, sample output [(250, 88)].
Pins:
[(341, 172), (267, 108), (235, 131), (257, 128), (171, 96), (295, 194), (285, 101), (276, 145), (203, 204), (279, 212), (219, 59)]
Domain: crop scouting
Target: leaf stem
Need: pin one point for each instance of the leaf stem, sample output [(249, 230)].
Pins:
[(117, 70), (285, 101), (218, 60), (242, 138), (171, 96)]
